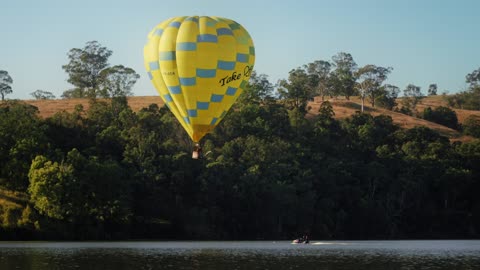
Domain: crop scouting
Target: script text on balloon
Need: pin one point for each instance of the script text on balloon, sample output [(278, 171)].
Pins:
[(228, 79)]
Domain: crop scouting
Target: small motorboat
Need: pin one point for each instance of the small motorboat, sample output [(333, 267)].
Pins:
[(300, 241)]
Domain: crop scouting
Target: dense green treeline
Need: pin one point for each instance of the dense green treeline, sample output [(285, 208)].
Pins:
[(267, 173)]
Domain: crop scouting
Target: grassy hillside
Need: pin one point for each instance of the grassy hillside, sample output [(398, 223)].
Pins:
[(343, 108), (12, 206), (13, 198), (436, 101), (50, 107)]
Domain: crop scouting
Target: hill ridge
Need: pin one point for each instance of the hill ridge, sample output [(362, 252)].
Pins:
[(343, 108)]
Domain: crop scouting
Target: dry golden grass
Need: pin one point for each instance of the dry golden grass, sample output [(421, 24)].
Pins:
[(436, 101), (343, 108), (48, 108), (137, 103), (13, 199), (8, 204)]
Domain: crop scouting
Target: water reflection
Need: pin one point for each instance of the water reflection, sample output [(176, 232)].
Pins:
[(373, 255)]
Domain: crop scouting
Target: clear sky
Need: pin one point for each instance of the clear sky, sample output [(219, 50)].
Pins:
[(425, 41)]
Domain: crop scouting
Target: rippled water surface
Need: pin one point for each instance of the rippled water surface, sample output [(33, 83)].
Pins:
[(328, 255)]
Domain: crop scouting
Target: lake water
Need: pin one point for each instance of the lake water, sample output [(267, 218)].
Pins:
[(274, 255)]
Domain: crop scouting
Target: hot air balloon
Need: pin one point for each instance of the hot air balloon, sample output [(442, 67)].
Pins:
[(199, 66)]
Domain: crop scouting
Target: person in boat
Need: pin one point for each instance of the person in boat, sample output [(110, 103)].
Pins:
[(302, 240), (305, 239), (197, 151)]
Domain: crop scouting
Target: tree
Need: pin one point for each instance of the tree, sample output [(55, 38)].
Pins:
[(473, 78), (51, 183), (73, 93), (411, 98), (471, 126), (380, 76), (258, 90), (388, 97), (469, 100), (117, 81), (412, 91), (22, 138), (326, 127), (432, 89), (80, 189), (265, 121), (296, 91), (441, 115), (5, 84), (366, 83), (371, 78), (343, 75), (320, 71), (40, 94), (84, 69)]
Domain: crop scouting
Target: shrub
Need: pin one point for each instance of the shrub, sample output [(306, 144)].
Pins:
[(471, 126), (441, 115)]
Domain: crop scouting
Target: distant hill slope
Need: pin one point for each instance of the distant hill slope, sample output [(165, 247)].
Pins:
[(49, 107), (343, 108), (12, 206), (436, 101), (12, 198)]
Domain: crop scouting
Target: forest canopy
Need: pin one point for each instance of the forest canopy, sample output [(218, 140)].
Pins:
[(111, 173), (269, 172)]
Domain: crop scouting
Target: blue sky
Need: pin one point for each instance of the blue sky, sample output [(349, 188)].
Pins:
[(424, 41)]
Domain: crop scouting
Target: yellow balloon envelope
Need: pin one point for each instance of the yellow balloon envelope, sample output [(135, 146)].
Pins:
[(199, 66)]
